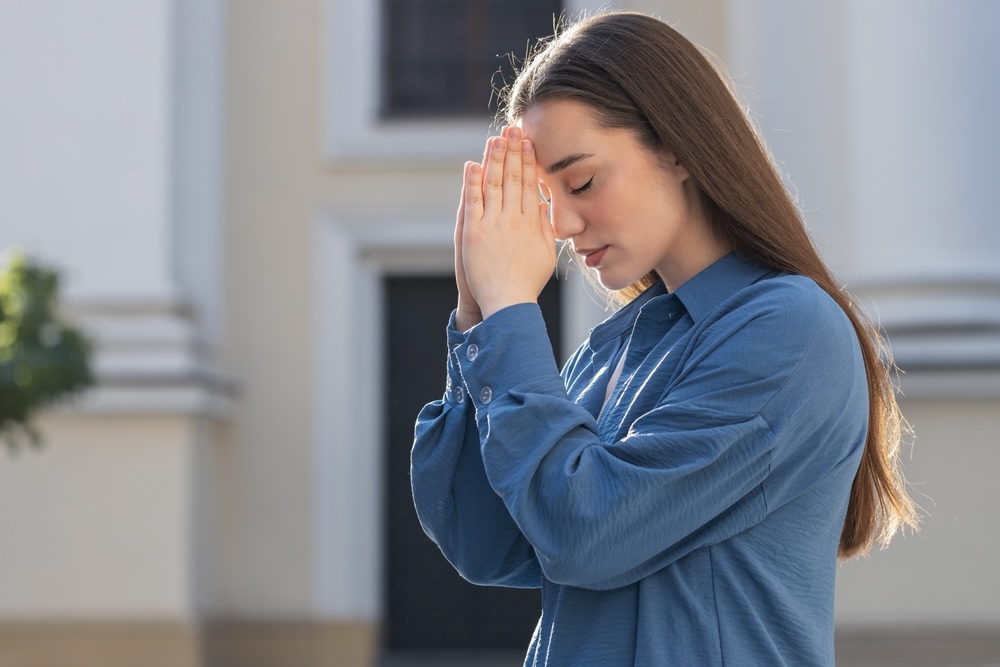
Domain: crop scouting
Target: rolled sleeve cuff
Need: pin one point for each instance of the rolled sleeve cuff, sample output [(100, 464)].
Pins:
[(509, 350), (455, 393)]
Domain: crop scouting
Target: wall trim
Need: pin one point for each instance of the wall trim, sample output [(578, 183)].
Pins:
[(111, 643), (352, 129), (309, 643), (150, 357), (352, 253), (925, 646), (175, 643)]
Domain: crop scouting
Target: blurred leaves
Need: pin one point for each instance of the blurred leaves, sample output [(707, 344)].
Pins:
[(42, 359)]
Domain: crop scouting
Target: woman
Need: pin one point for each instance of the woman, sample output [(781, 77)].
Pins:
[(681, 492)]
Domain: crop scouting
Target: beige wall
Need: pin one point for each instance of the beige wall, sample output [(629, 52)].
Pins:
[(944, 575), (271, 168), (95, 522), (278, 185)]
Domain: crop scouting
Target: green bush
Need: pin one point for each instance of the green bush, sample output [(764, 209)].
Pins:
[(42, 359)]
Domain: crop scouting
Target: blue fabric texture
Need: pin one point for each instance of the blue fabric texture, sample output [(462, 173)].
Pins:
[(692, 520)]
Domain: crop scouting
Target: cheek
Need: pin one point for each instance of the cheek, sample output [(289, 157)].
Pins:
[(612, 213)]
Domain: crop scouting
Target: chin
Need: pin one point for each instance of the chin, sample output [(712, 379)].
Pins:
[(614, 281), (611, 284)]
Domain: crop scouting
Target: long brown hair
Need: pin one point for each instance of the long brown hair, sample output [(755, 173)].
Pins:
[(638, 73)]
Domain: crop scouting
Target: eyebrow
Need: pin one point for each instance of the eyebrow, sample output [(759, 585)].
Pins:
[(567, 161)]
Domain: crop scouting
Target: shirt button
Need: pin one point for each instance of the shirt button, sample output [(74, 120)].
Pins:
[(472, 352), (486, 395), (459, 395)]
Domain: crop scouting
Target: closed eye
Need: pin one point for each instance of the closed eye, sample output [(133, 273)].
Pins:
[(583, 188)]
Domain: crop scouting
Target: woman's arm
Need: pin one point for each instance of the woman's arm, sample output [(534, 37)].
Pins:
[(455, 503), (691, 472), (458, 508)]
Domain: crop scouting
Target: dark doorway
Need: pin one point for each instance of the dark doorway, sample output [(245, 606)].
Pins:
[(429, 606)]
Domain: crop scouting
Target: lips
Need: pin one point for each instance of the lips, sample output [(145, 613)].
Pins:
[(592, 256)]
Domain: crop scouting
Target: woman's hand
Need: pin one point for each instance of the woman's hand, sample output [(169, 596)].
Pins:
[(468, 314), (508, 247)]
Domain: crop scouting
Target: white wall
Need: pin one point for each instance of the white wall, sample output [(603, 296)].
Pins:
[(86, 132), (110, 125)]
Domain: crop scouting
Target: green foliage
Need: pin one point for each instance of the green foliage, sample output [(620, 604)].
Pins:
[(42, 359)]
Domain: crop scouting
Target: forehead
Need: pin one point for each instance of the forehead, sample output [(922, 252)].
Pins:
[(560, 128)]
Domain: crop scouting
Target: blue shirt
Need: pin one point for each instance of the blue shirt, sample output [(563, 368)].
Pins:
[(694, 520)]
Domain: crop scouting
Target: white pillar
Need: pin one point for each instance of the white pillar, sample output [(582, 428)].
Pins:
[(86, 133), (111, 135), (884, 114), (110, 159), (923, 102)]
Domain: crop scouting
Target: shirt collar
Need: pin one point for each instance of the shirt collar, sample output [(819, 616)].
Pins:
[(699, 295), (622, 321), (719, 281)]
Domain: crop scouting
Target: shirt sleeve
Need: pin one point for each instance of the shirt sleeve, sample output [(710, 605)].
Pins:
[(689, 473), (456, 506)]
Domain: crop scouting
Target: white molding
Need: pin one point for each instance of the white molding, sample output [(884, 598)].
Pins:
[(953, 303), (950, 385), (192, 398), (352, 130), (943, 329), (148, 358), (352, 254), (196, 177)]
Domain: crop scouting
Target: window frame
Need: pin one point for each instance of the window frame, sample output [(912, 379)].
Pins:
[(353, 128)]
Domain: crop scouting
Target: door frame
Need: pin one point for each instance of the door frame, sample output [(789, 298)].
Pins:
[(351, 254)]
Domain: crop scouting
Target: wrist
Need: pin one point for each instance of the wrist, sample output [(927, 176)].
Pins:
[(494, 305)]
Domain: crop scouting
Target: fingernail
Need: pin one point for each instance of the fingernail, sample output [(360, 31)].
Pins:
[(500, 144), (526, 146), (514, 133)]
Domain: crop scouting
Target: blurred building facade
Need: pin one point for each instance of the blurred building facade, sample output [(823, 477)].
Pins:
[(226, 199)]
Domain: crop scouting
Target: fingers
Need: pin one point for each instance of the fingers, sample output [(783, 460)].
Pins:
[(493, 176), (513, 170), (509, 175), (461, 200), (472, 192)]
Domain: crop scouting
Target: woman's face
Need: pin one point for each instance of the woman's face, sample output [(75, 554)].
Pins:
[(624, 209)]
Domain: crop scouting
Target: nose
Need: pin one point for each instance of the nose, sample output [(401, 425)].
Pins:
[(566, 222)]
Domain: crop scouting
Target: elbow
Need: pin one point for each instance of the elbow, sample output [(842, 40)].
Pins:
[(482, 572), (513, 565), (572, 573), (477, 573), (581, 564)]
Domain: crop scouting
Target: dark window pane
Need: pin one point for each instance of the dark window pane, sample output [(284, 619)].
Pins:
[(446, 57)]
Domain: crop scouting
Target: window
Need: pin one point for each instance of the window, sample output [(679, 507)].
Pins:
[(448, 57)]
